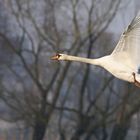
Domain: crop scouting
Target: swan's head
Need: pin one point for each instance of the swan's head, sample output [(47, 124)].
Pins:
[(59, 57)]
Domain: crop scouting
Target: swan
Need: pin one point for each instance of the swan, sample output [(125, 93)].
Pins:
[(124, 61)]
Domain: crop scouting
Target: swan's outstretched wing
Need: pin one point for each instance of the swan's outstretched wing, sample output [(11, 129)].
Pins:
[(128, 48)]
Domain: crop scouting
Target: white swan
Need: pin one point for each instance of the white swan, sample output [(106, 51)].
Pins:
[(124, 61)]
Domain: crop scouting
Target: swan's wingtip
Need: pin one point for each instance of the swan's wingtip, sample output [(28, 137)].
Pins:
[(55, 57)]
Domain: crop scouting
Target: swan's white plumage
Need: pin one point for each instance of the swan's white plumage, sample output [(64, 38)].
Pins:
[(129, 45), (124, 61)]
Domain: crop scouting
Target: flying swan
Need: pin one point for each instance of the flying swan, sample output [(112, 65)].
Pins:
[(124, 61)]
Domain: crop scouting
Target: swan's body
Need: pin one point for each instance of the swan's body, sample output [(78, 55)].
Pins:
[(124, 61)]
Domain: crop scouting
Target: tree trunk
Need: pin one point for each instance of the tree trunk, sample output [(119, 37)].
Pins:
[(39, 130), (120, 131)]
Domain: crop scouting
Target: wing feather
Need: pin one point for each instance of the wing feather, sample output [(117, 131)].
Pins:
[(129, 44)]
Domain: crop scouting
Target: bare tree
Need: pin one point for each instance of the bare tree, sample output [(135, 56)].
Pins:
[(63, 96)]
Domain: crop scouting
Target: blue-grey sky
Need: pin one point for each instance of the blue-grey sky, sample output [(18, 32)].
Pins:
[(125, 15)]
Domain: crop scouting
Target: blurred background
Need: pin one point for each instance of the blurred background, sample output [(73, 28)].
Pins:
[(41, 99)]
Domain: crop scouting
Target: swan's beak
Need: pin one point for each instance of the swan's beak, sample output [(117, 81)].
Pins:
[(56, 57)]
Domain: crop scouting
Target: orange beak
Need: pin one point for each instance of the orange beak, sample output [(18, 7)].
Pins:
[(56, 57)]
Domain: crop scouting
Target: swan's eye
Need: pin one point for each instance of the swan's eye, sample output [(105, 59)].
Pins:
[(56, 57)]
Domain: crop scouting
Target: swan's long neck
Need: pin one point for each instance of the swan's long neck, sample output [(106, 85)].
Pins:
[(83, 60)]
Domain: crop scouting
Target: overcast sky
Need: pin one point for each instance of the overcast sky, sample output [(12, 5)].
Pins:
[(124, 16)]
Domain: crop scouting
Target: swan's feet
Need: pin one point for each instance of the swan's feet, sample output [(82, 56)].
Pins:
[(135, 81)]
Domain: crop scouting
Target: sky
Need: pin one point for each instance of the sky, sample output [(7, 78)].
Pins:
[(123, 18)]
